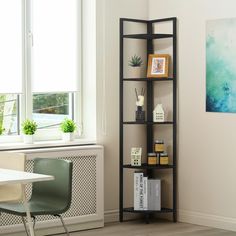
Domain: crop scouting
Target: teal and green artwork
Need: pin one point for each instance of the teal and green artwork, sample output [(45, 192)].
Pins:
[(221, 65)]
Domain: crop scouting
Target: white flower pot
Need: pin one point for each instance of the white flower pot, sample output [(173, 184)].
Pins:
[(67, 137), (135, 72), (28, 139)]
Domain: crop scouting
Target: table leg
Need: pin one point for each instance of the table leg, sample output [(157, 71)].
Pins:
[(31, 229)]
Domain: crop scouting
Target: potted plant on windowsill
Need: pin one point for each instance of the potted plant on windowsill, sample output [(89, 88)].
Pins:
[(135, 62), (28, 127), (68, 127)]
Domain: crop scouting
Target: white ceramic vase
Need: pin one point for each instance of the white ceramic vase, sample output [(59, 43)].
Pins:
[(67, 137), (28, 139)]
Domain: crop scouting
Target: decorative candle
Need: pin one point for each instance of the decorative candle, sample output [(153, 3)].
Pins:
[(164, 159), (152, 159), (159, 146)]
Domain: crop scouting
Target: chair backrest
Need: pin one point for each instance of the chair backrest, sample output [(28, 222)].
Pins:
[(13, 161), (57, 192)]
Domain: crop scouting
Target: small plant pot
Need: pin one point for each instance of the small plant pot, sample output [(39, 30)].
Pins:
[(28, 139), (135, 72), (67, 137)]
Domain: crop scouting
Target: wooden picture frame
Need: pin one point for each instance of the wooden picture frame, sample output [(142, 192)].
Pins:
[(158, 65)]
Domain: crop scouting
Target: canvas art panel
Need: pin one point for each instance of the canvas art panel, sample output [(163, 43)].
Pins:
[(220, 65)]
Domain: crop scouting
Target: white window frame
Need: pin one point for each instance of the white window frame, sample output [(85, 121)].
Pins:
[(26, 98)]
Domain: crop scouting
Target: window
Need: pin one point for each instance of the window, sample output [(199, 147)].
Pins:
[(50, 109), (9, 114), (40, 57)]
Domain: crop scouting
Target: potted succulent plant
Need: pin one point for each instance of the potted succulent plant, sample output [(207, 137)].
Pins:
[(68, 127), (135, 62), (28, 128)]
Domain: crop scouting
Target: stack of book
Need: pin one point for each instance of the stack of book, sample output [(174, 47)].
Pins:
[(147, 193)]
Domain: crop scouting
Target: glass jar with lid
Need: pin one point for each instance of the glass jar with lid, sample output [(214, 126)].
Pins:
[(159, 146), (164, 159), (152, 159)]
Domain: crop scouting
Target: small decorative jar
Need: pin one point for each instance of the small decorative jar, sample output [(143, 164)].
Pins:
[(164, 159), (152, 159), (159, 146)]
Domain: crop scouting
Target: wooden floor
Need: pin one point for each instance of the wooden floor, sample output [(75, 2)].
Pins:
[(135, 228)]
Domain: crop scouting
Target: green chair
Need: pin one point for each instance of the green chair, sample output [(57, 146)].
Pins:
[(49, 197)]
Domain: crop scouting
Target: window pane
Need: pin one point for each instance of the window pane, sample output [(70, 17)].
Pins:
[(50, 109), (55, 50), (9, 113), (11, 46)]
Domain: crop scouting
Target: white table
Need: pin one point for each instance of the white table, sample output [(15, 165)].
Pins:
[(20, 177)]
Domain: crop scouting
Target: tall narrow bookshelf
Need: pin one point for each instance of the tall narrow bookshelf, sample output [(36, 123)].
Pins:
[(149, 36)]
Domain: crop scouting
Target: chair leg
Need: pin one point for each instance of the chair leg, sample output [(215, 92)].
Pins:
[(26, 230), (34, 221), (63, 223)]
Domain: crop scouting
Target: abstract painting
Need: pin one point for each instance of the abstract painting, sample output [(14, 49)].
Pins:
[(221, 65)]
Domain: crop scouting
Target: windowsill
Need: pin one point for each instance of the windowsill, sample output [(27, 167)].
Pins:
[(45, 144)]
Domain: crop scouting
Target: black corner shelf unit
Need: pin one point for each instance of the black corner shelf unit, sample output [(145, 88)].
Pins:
[(149, 36)]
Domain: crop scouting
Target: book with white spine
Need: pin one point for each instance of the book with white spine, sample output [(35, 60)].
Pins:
[(138, 191)]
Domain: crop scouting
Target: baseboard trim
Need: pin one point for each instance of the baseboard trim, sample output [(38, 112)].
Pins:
[(111, 216), (199, 218)]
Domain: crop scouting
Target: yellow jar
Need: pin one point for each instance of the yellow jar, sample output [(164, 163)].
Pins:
[(152, 159), (164, 159), (159, 146)]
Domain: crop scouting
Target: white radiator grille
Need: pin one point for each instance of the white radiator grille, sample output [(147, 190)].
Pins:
[(84, 197)]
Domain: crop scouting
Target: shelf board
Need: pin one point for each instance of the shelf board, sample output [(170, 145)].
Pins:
[(145, 166), (163, 210), (148, 79), (146, 36), (147, 123)]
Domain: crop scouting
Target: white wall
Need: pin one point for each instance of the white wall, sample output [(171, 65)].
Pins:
[(207, 150), (108, 14)]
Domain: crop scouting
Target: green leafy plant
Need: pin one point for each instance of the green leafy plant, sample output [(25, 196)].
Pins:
[(29, 127), (68, 126), (1, 130), (135, 61)]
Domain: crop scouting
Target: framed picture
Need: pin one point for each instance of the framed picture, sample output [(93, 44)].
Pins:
[(158, 65)]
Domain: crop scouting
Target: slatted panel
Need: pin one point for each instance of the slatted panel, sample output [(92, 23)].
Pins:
[(84, 198)]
